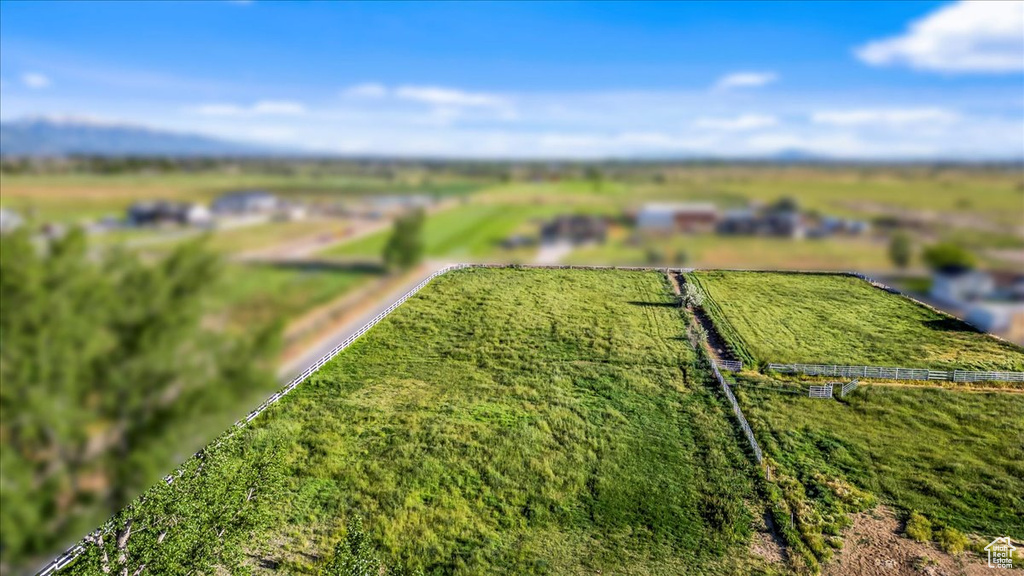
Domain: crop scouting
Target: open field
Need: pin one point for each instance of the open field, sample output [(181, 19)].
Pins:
[(834, 319), (954, 456), (71, 197), (252, 294), (513, 422), (708, 251), (470, 231)]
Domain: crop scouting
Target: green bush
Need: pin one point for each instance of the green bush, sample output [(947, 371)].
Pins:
[(918, 528), (951, 540)]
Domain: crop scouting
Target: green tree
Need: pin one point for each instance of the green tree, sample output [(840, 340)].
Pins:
[(404, 248), (107, 371), (594, 175), (900, 249), (945, 254)]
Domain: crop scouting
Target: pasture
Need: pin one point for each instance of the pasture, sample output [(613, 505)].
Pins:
[(251, 295), (836, 319), (709, 251), (466, 232), (512, 422), (954, 456)]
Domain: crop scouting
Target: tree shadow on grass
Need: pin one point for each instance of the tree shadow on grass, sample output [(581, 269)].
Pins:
[(654, 304), (949, 325)]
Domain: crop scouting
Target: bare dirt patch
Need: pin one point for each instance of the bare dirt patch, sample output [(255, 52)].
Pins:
[(874, 546)]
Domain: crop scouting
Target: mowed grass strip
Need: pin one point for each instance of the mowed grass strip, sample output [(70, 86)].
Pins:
[(519, 422), (475, 230), (837, 319), (956, 456)]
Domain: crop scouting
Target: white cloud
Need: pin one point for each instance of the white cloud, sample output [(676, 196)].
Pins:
[(261, 108), (449, 97), (278, 107), (738, 123), (366, 90), (745, 80), (975, 36), (884, 116), (35, 80)]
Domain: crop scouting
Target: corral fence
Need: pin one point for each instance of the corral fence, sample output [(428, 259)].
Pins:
[(730, 365), (893, 373), (824, 391), (848, 387), (75, 551), (758, 455)]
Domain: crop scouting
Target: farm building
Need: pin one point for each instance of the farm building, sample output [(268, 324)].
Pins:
[(677, 217), (245, 202), (162, 212), (577, 229), (776, 222)]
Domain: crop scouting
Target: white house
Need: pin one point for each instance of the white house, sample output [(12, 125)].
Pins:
[(957, 285)]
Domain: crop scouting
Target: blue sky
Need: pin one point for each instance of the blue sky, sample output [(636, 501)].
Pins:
[(860, 80)]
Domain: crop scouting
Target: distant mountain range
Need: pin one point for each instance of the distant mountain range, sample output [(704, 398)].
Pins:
[(54, 136)]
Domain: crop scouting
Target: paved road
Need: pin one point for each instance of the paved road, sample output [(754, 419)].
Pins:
[(324, 345)]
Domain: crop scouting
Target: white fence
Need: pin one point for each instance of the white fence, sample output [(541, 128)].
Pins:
[(71, 553), (848, 387), (892, 373), (978, 376), (758, 455), (821, 391)]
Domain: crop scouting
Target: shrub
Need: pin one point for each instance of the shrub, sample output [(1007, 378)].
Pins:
[(918, 528), (693, 296), (951, 540)]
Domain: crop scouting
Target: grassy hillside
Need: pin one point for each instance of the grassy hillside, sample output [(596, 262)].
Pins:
[(954, 456), (824, 319), (512, 422)]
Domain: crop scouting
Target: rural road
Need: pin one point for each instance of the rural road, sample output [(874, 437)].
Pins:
[(300, 362)]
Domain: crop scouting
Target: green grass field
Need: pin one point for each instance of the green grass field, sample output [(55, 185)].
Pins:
[(71, 197), (516, 422), (254, 294), (954, 456), (468, 231), (834, 319), (745, 252)]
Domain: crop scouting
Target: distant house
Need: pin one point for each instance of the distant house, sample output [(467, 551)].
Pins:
[(9, 220), (743, 222), (775, 222), (245, 202), (677, 217), (955, 285), (156, 213), (577, 229)]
